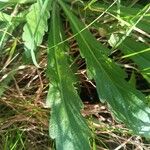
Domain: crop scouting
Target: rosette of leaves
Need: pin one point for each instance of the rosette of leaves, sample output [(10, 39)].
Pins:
[(67, 126)]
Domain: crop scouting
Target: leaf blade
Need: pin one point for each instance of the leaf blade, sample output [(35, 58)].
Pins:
[(67, 124), (35, 27), (127, 103)]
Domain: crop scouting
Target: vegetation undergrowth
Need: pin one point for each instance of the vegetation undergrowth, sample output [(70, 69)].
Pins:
[(55, 55)]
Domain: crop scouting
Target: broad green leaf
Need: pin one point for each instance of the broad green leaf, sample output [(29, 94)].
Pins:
[(36, 27), (127, 103), (67, 126)]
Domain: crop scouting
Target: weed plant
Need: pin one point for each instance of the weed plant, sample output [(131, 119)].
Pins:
[(48, 49)]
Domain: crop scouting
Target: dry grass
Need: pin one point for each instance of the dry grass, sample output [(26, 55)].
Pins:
[(24, 116)]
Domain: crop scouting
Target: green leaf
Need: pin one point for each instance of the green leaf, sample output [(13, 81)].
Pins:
[(5, 32), (113, 40), (16, 1), (8, 25), (6, 3), (67, 126), (132, 80), (127, 103), (36, 27), (139, 53), (4, 17)]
